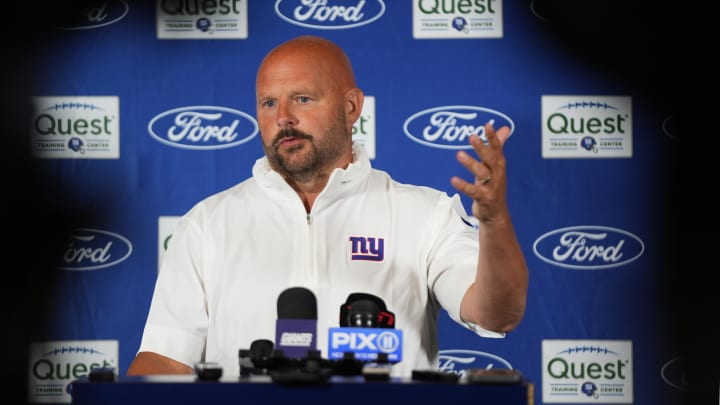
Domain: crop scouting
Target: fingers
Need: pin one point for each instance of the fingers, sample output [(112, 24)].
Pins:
[(502, 134), (495, 141), (490, 153), (478, 168), (490, 164)]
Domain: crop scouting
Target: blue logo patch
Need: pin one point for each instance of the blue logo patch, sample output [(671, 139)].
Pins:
[(367, 248)]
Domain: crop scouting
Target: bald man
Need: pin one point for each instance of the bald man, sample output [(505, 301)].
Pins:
[(296, 221)]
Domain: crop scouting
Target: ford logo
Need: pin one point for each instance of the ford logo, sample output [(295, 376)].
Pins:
[(588, 247), (458, 361), (674, 373), (104, 13), (449, 127), (203, 127), (667, 127), (329, 15), (92, 249)]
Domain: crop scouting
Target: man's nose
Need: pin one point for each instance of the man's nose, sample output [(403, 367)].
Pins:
[(285, 117)]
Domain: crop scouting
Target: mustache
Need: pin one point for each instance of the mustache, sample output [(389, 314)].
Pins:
[(289, 133)]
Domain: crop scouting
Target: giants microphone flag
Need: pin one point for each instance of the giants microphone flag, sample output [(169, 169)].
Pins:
[(296, 325), (367, 329)]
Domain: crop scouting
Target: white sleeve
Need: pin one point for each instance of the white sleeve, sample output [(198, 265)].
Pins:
[(177, 321), (453, 265)]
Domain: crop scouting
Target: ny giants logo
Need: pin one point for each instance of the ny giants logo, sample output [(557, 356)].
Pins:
[(367, 248)]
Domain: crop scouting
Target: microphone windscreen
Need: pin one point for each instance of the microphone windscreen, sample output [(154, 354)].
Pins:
[(363, 314), (261, 348), (297, 303), (357, 296), (385, 318)]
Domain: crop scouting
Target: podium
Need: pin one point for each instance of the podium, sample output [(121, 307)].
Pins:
[(187, 389)]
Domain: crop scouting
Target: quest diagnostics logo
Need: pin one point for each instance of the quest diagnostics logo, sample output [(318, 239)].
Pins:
[(449, 127), (203, 127), (217, 19), (587, 371), (457, 19), (330, 14), (588, 247), (587, 127), (55, 364), (363, 130), (75, 127)]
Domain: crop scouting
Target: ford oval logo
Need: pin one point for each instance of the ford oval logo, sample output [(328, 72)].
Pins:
[(458, 361), (674, 373), (104, 13), (329, 14), (449, 127), (667, 127), (203, 127), (588, 247), (92, 249)]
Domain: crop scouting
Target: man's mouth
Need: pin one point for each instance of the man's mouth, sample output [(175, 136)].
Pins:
[(288, 141)]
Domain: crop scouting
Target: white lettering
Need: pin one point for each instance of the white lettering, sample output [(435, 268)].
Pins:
[(318, 10), (300, 339), (78, 254), (444, 125), (573, 245), (188, 125)]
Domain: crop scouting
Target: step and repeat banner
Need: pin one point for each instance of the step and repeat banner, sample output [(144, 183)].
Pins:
[(142, 108)]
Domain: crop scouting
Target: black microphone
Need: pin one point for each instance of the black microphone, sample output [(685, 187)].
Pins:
[(362, 314), (367, 332), (385, 318), (258, 359), (296, 325)]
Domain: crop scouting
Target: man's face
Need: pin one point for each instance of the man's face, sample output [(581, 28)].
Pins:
[(301, 116)]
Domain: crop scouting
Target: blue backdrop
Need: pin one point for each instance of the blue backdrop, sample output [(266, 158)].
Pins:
[(589, 101)]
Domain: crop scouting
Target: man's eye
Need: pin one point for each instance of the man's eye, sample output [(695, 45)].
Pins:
[(269, 103), (303, 99)]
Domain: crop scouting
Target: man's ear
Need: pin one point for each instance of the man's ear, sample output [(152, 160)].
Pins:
[(354, 99)]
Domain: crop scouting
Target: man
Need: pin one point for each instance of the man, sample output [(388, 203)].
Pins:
[(290, 225)]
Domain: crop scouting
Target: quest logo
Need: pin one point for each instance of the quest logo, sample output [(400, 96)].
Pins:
[(329, 14), (217, 19), (449, 127), (93, 249), (104, 13), (166, 226), (457, 19), (55, 364), (458, 361), (203, 127), (76, 127), (588, 247), (587, 126), (587, 371)]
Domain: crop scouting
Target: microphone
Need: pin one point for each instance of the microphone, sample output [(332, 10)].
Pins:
[(257, 359), (296, 325), (385, 318), (363, 314), (367, 331)]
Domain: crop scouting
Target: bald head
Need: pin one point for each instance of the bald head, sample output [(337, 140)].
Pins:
[(314, 53), (307, 102)]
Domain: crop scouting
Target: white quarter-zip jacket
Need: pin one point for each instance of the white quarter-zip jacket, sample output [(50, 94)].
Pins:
[(234, 252)]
